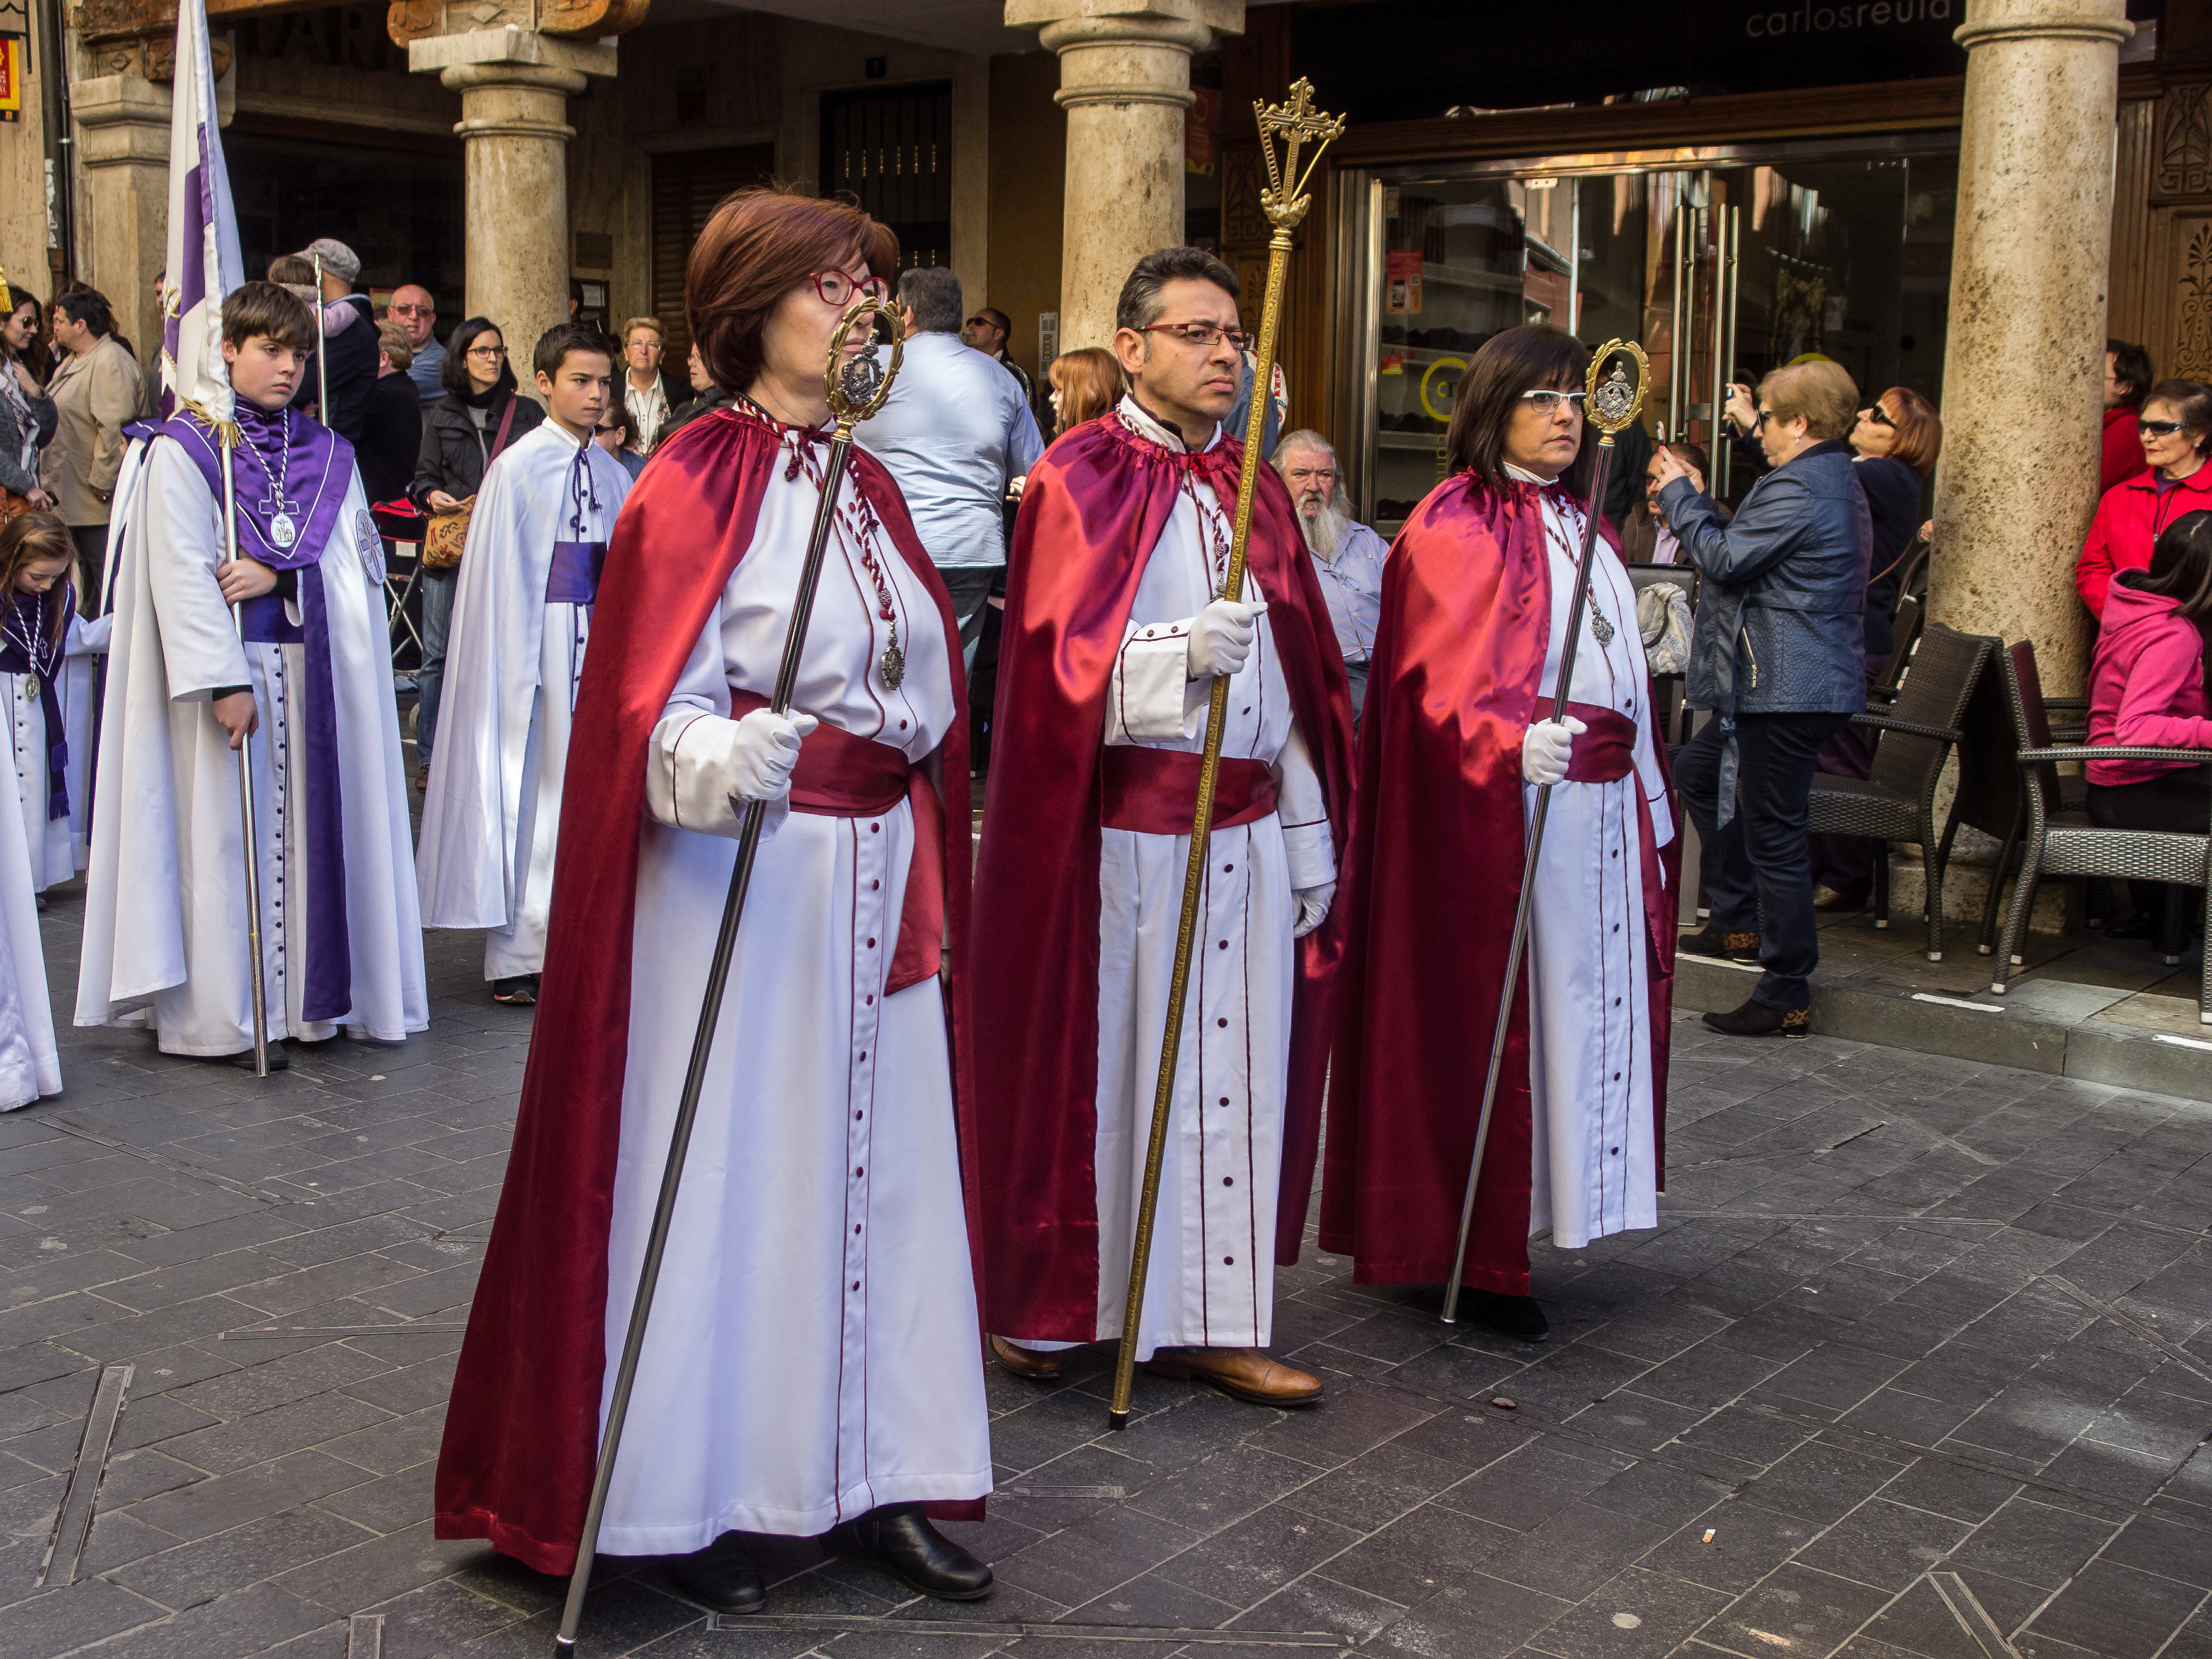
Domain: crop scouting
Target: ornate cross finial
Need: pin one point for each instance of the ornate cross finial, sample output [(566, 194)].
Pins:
[(1297, 123)]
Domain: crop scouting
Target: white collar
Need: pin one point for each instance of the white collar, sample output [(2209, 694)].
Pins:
[(1142, 422), (1521, 475)]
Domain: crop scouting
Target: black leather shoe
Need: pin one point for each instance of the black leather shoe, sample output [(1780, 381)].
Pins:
[(721, 1578), (904, 1545), (1712, 940), (278, 1059), (1516, 1316), (1755, 1018), (520, 991)]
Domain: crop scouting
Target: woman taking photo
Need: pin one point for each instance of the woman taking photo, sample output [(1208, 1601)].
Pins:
[(479, 416), (2147, 689), (812, 1363), (27, 415), (2175, 428), (1895, 443), (97, 390)]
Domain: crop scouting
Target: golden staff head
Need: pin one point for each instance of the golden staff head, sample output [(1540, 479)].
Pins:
[(1297, 123), (856, 386), (1616, 393)]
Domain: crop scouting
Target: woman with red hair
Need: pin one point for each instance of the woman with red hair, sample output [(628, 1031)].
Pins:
[(812, 1361)]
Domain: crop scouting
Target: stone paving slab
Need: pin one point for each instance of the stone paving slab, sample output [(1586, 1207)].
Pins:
[(1917, 1365)]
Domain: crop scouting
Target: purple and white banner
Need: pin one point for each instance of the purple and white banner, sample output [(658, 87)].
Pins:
[(203, 260)]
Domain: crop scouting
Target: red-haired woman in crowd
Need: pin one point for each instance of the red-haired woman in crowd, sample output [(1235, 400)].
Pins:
[(1085, 383), (812, 1363)]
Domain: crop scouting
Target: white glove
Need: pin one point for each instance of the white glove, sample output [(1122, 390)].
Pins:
[(763, 752), (1545, 747), (1312, 908), (1221, 637)]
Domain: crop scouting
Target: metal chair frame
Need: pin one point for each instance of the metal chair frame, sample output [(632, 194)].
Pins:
[(397, 623), (2072, 849), (1904, 809)]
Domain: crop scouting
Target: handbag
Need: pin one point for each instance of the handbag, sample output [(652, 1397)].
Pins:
[(448, 536), (12, 505)]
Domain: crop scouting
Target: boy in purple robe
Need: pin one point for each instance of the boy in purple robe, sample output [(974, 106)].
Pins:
[(271, 654)]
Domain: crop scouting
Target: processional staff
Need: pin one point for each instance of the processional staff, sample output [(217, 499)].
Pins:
[(1284, 202), (227, 432), (856, 388), (1614, 401)]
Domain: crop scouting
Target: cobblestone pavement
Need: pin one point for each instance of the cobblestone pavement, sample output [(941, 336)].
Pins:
[(1918, 1363)]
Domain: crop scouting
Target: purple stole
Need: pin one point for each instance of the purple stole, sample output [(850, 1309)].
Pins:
[(45, 660), (320, 466)]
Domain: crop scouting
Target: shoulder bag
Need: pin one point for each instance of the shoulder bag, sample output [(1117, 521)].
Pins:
[(448, 534)]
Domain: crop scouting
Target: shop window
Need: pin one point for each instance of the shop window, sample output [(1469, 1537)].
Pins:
[(892, 151)]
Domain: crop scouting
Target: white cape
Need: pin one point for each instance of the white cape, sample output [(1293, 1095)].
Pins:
[(56, 847), (491, 814), (165, 922)]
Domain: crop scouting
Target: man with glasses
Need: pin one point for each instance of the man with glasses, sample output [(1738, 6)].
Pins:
[(953, 433), (1347, 555), (414, 309), (986, 331), (645, 389), (1116, 636)]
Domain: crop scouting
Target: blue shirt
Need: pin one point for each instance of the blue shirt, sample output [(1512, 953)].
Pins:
[(423, 371), (954, 429), (1352, 582)]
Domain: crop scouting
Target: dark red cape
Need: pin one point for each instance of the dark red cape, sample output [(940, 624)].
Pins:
[(1438, 857), (523, 1431), (1091, 511)]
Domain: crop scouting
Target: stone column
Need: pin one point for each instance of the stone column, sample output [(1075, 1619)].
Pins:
[(1125, 83), (2023, 368), (516, 85), (122, 213)]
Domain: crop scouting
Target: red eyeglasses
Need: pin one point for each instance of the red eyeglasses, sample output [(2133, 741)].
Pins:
[(837, 287)]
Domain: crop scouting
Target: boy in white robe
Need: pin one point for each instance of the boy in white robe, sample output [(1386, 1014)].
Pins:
[(491, 813), (296, 685)]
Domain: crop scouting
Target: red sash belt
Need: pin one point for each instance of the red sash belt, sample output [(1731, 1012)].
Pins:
[(1154, 791), (1606, 752), (841, 775)]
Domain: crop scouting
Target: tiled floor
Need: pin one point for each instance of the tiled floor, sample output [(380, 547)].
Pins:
[(1918, 1363)]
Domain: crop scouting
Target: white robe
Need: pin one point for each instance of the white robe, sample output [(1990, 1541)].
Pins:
[(491, 815), (165, 922), (1589, 1009), (1211, 1283), (30, 1064), (55, 847), (813, 1350)]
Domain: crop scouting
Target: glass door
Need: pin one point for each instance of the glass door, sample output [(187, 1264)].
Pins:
[(1723, 270)]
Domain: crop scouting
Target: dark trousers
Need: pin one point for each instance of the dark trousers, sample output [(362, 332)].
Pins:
[(1757, 873), (1846, 863), (2180, 799), (91, 541)]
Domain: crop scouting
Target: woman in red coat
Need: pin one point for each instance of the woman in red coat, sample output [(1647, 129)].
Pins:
[(2175, 427)]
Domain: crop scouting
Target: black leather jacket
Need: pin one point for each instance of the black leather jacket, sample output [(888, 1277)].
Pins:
[(454, 453), (1780, 625)]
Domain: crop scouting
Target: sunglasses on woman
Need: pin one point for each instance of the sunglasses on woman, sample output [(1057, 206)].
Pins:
[(2158, 429), (1875, 414)]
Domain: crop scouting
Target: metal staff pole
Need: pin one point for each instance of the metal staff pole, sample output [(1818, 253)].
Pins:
[(856, 390), (1614, 402), (246, 779), (322, 356), (1296, 123)]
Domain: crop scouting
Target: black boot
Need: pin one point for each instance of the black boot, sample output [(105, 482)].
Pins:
[(1755, 1018), (721, 1578), (1713, 940), (1516, 1316), (904, 1545)]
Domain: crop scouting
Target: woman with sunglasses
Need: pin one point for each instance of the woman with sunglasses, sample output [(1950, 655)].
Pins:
[(1455, 742), (812, 1363), (2175, 427)]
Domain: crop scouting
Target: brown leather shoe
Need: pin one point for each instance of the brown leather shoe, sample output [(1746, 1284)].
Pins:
[(1241, 1373), (1039, 1365)]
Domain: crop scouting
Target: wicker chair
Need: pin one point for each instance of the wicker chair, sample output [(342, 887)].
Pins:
[(2063, 842), (1897, 801)]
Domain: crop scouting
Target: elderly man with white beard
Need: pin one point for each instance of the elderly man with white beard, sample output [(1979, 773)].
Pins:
[(1347, 555)]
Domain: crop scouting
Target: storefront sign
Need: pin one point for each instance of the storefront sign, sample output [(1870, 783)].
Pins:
[(11, 77), (1401, 289)]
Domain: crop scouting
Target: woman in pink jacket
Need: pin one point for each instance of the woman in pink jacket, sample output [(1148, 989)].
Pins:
[(2147, 688)]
